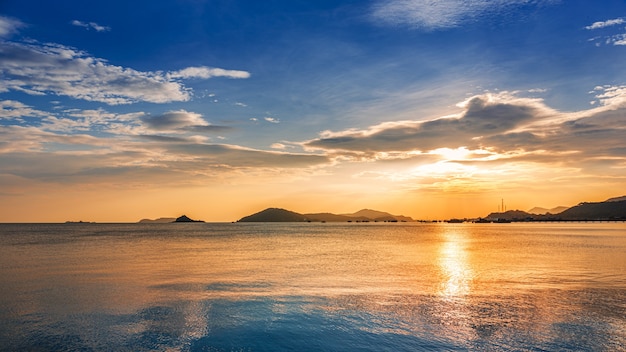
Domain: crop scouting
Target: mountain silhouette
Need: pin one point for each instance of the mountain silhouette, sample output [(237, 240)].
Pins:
[(616, 199), (185, 218), (609, 210), (612, 209), (275, 215), (157, 221), (282, 215), (541, 211)]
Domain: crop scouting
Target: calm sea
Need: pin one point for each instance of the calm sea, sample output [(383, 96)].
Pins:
[(313, 287)]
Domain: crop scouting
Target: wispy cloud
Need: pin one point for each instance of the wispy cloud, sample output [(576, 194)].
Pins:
[(607, 23), (91, 25), (609, 39), (11, 109), (41, 69), (433, 15), (9, 26), (180, 122), (208, 72), (174, 120), (278, 146)]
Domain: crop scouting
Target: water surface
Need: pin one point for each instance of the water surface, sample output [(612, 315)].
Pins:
[(313, 286)]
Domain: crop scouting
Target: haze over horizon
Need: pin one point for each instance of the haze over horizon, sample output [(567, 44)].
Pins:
[(119, 111)]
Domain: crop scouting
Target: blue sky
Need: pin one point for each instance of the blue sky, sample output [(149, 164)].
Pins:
[(310, 105)]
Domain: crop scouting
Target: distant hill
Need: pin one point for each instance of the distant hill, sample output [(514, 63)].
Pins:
[(608, 210), (511, 215), (282, 215), (376, 215), (157, 221), (541, 211), (274, 215), (616, 199), (329, 217), (612, 209)]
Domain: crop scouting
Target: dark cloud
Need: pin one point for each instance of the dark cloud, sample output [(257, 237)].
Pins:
[(482, 118), (241, 157), (165, 139), (208, 129), (173, 120), (506, 129)]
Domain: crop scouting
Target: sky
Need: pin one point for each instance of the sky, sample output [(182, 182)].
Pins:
[(115, 111)]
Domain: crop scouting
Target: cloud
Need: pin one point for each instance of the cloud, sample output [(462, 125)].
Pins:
[(11, 109), (278, 146), (9, 26), (181, 121), (271, 119), (174, 120), (607, 23), (441, 14), (41, 69), (207, 72), (498, 128), (613, 39), (483, 116), (91, 25), (34, 154), (241, 157)]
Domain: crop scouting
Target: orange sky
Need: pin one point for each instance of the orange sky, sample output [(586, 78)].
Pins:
[(310, 107)]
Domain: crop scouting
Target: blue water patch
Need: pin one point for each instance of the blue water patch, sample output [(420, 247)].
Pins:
[(259, 326)]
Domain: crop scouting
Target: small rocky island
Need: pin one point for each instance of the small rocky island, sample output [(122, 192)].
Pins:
[(185, 218)]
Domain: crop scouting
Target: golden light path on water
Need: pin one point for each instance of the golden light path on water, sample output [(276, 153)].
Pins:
[(453, 262)]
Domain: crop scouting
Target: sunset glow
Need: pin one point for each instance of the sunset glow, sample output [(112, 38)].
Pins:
[(121, 111)]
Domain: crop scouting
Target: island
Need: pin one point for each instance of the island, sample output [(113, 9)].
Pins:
[(283, 215), (185, 218), (613, 209), (157, 221)]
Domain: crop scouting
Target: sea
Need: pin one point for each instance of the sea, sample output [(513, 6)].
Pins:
[(313, 287)]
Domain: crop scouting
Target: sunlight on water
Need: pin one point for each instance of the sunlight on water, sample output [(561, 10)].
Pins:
[(337, 287), (454, 265)]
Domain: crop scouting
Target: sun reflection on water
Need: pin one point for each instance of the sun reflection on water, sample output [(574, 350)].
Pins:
[(456, 272)]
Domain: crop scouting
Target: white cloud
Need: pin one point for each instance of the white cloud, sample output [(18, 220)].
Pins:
[(441, 14), (91, 25), (40, 69), (607, 23), (207, 72), (11, 109), (271, 119), (612, 39), (278, 146), (619, 39), (9, 26)]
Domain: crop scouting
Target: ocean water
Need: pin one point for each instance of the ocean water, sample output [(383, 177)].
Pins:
[(313, 287)]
